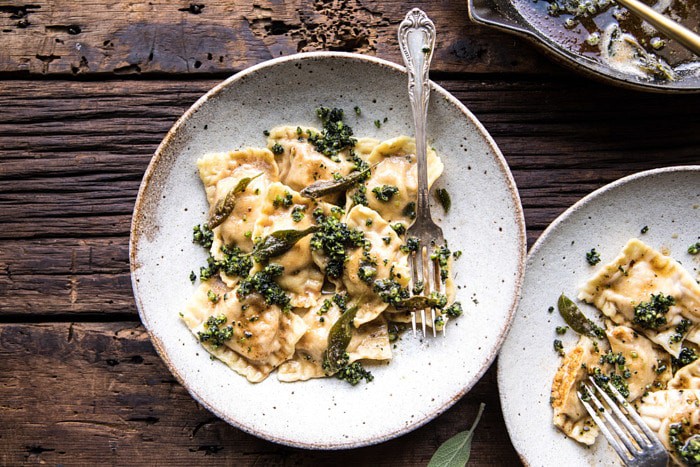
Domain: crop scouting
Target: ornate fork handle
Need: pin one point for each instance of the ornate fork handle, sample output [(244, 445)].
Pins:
[(417, 40)]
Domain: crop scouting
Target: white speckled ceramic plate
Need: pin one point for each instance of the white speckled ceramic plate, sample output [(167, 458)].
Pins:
[(424, 378), (668, 202)]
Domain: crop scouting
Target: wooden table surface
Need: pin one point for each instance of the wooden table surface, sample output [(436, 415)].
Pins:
[(87, 91)]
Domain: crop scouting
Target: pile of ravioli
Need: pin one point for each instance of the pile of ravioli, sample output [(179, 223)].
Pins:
[(665, 394), (265, 337)]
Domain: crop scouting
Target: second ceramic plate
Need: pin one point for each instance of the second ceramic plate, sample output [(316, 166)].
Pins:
[(667, 201)]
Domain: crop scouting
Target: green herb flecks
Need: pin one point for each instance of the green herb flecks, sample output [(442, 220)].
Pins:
[(367, 270), (409, 210), (686, 356), (399, 228), (412, 245), (385, 192), (576, 320), (593, 257), (263, 283), (558, 347), (335, 239), (644, 230), (694, 249), (224, 207), (335, 136), (285, 201), (390, 291), (681, 330), (652, 314), (202, 235), (455, 452), (612, 379), (354, 373), (215, 334), (277, 149), (441, 254), (443, 197), (298, 213), (279, 242), (234, 263), (418, 302), (688, 451)]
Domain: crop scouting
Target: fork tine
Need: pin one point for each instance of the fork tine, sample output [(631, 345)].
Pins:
[(609, 436), (414, 279), (425, 268), (413, 322), (608, 416), (651, 436), (630, 428)]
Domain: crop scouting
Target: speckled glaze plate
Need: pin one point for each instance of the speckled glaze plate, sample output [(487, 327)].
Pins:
[(668, 202), (425, 377)]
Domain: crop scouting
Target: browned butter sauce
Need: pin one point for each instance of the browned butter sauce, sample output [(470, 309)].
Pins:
[(578, 33)]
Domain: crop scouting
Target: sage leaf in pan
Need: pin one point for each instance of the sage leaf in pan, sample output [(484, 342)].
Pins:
[(576, 320), (325, 187), (279, 242), (224, 207), (338, 340), (455, 451)]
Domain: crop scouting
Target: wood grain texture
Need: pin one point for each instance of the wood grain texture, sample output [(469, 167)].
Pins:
[(73, 393), (73, 154), (221, 36)]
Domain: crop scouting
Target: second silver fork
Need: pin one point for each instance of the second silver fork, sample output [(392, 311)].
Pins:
[(417, 40)]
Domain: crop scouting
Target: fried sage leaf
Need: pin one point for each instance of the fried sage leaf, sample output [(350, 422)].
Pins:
[(279, 242), (325, 187), (224, 207), (334, 358), (576, 320)]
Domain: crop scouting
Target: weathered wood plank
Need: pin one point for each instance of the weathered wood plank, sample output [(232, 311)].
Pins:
[(73, 155), (223, 36), (111, 398)]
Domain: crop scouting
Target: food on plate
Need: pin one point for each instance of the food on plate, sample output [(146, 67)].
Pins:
[(647, 349), (606, 32), (308, 253)]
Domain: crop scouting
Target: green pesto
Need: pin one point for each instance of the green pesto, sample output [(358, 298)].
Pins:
[(277, 149), (202, 235), (335, 136), (441, 254), (593, 257), (215, 334), (263, 283), (283, 201), (409, 210), (234, 263), (385, 192), (443, 197), (651, 314), (694, 249), (298, 213), (334, 238)]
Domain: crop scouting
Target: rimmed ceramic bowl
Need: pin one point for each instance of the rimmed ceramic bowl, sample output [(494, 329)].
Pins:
[(667, 201), (426, 376)]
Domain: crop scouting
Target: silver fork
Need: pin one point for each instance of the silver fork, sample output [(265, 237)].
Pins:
[(417, 40), (636, 446)]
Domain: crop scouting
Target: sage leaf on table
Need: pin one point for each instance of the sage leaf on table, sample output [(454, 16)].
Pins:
[(455, 451)]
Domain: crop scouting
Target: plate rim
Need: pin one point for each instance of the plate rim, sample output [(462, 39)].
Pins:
[(549, 231), (137, 219)]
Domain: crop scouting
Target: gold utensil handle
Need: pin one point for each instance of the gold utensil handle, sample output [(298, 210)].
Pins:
[(676, 31)]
